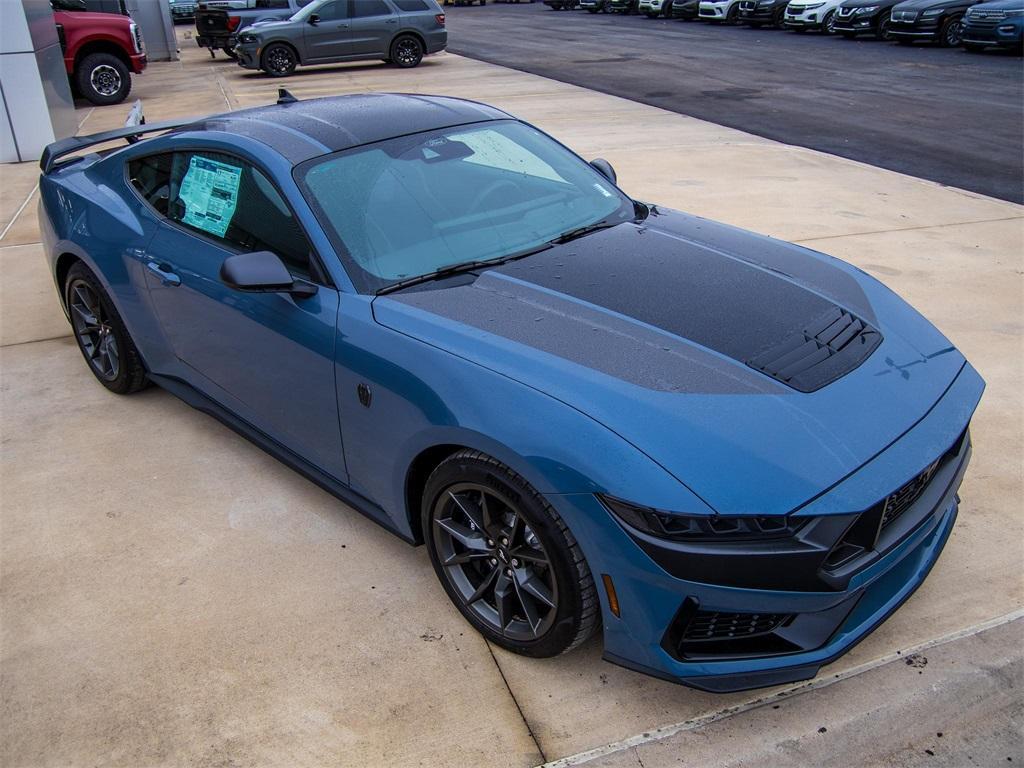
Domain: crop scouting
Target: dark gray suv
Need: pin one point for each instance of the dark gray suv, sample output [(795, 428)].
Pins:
[(398, 31)]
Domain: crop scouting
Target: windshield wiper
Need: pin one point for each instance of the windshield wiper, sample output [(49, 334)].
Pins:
[(456, 269), (573, 234)]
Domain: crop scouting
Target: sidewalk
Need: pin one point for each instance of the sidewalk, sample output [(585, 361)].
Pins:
[(172, 595)]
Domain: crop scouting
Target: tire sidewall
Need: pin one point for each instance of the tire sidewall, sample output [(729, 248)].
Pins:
[(470, 467), (283, 73), (83, 79), (124, 382), (394, 52)]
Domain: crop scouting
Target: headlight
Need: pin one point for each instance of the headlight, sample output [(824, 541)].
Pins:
[(934, 12), (1015, 12), (133, 31), (811, 7), (868, 9), (247, 37), (669, 525)]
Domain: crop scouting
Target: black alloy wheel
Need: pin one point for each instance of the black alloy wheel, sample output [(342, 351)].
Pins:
[(884, 29), (506, 559), (279, 60), (952, 32), (406, 51), (100, 333)]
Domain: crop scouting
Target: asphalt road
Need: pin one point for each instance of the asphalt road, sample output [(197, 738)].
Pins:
[(940, 114)]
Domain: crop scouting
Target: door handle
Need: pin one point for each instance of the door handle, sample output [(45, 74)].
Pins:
[(163, 272)]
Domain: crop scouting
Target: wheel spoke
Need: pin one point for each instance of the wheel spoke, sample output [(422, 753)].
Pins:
[(504, 600), (112, 353), (462, 534), (532, 584), (529, 609), (529, 555), (461, 558), (91, 323), (469, 510), (484, 586)]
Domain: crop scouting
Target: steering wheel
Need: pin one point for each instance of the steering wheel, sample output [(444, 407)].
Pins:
[(493, 188)]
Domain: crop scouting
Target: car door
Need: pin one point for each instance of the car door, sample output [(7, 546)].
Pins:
[(329, 37), (268, 357), (373, 24)]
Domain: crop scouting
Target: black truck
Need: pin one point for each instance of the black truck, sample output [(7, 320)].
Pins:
[(217, 23)]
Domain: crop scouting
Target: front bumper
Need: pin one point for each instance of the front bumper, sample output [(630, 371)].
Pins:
[(920, 29), (714, 11), (139, 62), (804, 20), (864, 22), (785, 632), (685, 9), (248, 55), (1007, 33), (751, 10)]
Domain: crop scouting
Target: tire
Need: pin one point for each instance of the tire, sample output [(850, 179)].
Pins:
[(406, 51), (883, 31), (778, 20), (279, 60), (733, 14), (108, 350), (828, 24), (103, 79), (951, 33), (520, 558)]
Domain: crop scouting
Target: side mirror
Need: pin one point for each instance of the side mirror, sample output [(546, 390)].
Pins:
[(313, 19), (603, 167), (262, 272)]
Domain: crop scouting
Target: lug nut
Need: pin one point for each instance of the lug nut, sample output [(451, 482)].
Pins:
[(504, 542), (490, 542), (494, 561)]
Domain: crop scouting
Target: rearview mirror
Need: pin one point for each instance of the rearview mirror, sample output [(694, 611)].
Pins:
[(262, 272), (603, 167), (314, 19)]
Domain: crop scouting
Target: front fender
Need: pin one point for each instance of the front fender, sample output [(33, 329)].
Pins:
[(423, 396)]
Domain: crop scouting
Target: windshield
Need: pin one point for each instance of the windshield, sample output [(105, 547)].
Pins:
[(412, 205)]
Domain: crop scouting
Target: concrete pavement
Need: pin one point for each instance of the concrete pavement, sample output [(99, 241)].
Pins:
[(171, 595)]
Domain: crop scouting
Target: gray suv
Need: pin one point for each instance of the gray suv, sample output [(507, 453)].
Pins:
[(398, 31)]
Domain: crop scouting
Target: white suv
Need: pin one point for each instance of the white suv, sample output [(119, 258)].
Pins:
[(811, 14), (720, 10)]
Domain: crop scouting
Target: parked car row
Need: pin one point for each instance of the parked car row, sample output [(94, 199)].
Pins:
[(974, 25)]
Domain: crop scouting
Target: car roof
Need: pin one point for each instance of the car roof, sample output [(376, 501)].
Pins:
[(302, 129)]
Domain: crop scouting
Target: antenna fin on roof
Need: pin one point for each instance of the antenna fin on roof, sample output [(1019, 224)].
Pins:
[(283, 97)]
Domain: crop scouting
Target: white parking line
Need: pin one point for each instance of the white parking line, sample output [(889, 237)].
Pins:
[(656, 734)]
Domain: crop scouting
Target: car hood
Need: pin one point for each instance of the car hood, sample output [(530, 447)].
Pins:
[(93, 18), (690, 339)]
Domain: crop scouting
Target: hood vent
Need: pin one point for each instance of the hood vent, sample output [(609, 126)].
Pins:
[(819, 355)]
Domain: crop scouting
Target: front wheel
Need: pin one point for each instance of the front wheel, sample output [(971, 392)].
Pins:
[(279, 60), (506, 559), (733, 14), (407, 51), (884, 29), (103, 79), (952, 31)]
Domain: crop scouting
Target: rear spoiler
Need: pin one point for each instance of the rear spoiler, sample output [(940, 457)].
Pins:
[(135, 126)]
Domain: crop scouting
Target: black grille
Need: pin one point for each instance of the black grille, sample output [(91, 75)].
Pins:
[(809, 360), (897, 503), (713, 625)]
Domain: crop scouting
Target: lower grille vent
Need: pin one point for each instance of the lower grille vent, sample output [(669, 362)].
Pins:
[(714, 625)]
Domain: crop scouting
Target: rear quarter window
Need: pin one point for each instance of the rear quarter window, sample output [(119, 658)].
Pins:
[(411, 5)]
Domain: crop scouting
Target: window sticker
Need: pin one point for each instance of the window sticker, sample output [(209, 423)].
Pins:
[(210, 194)]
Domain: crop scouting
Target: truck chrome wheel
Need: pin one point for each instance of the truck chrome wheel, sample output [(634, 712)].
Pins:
[(105, 80)]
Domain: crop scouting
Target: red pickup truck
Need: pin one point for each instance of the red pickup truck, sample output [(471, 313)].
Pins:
[(101, 51)]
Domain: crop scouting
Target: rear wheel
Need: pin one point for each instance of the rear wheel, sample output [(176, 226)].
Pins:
[(100, 333), (828, 24), (279, 60), (103, 79), (506, 559), (406, 51)]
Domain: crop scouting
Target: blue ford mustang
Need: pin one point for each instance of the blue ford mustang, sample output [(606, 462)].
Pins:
[(735, 456)]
